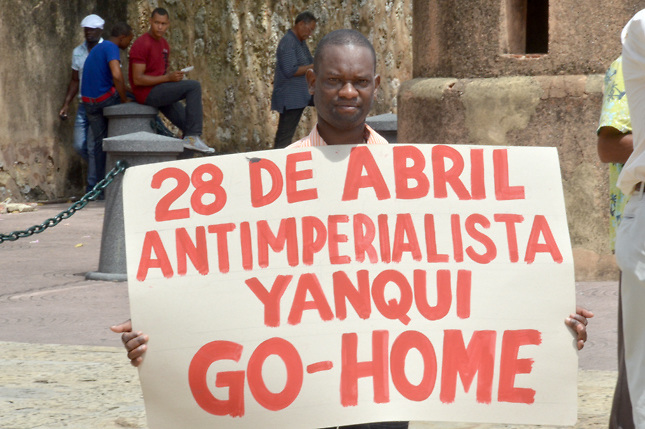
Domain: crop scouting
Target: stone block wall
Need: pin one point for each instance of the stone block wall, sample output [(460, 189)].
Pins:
[(560, 111), (468, 39), (470, 83), (477, 80), (37, 161), (232, 43)]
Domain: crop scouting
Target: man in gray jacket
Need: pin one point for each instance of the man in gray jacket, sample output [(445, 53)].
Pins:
[(290, 93)]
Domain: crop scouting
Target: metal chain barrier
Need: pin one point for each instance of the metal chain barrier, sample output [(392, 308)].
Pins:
[(92, 195)]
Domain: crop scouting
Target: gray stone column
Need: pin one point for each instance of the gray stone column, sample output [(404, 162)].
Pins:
[(136, 149), (385, 125), (129, 118)]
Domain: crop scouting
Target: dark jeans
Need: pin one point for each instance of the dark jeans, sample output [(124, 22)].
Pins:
[(380, 425), (99, 126), (287, 127), (166, 97), (621, 409)]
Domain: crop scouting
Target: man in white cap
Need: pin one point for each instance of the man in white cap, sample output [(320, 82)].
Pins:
[(92, 28)]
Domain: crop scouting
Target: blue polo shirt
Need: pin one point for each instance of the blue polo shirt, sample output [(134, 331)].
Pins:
[(97, 77)]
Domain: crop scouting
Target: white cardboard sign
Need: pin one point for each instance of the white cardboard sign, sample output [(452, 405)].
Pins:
[(337, 285)]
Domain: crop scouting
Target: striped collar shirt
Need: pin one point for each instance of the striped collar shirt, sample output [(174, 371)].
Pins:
[(314, 139)]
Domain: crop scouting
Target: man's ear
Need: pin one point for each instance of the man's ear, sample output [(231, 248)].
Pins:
[(377, 82), (311, 80)]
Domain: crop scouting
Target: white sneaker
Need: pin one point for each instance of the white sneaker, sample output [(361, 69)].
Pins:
[(196, 143)]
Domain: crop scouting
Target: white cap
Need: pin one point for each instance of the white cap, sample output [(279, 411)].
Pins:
[(92, 21)]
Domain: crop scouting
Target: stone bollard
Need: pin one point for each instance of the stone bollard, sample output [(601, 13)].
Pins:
[(136, 149), (385, 125), (129, 118)]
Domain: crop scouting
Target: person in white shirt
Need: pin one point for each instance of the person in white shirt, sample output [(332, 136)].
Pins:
[(92, 29), (630, 237)]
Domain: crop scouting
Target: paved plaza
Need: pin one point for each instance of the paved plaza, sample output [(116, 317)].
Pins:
[(61, 366)]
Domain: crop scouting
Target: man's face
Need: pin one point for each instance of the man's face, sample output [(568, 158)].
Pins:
[(124, 41), (159, 25), (92, 35), (303, 31), (344, 86)]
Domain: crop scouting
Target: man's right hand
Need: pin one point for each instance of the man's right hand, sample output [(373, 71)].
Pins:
[(175, 76), (63, 113), (134, 342)]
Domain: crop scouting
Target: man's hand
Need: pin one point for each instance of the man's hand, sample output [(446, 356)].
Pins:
[(72, 90), (578, 323), (134, 342), (63, 112), (175, 76)]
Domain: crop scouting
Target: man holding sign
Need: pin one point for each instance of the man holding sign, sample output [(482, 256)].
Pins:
[(343, 83)]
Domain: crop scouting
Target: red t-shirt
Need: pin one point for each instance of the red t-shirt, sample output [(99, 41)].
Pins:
[(154, 54)]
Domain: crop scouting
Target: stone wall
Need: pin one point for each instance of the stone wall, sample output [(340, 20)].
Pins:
[(231, 43), (560, 111), (472, 87), (37, 38), (470, 39)]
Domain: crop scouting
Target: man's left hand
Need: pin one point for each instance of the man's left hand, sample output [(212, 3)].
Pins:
[(578, 323)]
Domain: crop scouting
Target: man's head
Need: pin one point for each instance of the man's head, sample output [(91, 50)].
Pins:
[(344, 80), (305, 25), (92, 28), (122, 35), (159, 23)]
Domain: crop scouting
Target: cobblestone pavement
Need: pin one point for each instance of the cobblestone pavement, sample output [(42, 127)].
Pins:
[(54, 386), (60, 366)]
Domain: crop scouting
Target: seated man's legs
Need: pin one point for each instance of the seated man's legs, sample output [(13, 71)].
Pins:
[(166, 97), (176, 113)]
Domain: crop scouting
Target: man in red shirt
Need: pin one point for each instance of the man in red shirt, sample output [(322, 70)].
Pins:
[(155, 85)]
